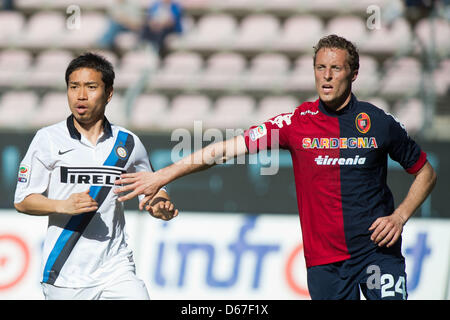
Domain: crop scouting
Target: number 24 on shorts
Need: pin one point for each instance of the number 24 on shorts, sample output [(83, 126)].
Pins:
[(385, 282)]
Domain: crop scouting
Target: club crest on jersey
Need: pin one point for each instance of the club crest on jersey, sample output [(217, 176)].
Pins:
[(121, 152), (362, 122)]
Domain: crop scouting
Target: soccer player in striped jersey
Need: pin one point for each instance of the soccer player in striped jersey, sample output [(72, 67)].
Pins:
[(68, 174), (339, 146)]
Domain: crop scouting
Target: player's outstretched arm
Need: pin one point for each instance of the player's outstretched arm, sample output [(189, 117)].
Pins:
[(38, 204), (387, 230), (148, 183)]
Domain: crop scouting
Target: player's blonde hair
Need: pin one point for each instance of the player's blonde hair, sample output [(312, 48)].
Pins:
[(337, 42)]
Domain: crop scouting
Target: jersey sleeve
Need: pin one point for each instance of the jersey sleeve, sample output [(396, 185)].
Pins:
[(272, 133), (35, 168), (403, 149), (142, 161)]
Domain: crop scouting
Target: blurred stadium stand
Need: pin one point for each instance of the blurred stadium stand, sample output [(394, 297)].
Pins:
[(251, 48), (236, 64)]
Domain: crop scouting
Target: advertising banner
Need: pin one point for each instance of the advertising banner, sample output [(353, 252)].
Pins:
[(209, 256)]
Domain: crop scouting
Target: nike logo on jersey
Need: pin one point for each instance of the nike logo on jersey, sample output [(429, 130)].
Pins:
[(63, 152)]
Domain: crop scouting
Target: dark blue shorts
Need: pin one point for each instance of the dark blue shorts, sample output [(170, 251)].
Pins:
[(379, 275)]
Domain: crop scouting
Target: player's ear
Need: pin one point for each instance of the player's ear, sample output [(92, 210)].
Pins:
[(109, 94), (354, 74)]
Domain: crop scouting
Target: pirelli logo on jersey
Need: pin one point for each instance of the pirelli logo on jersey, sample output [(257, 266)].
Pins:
[(340, 143), (101, 176)]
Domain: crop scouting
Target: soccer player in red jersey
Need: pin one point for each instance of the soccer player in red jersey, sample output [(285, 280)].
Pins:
[(339, 146)]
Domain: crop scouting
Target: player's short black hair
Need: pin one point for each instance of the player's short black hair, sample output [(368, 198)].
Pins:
[(96, 62), (337, 42)]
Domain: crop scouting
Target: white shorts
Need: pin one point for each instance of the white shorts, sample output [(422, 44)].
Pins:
[(126, 287)]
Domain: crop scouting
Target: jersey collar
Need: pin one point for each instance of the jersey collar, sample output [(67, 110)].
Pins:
[(348, 108), (75, 134)]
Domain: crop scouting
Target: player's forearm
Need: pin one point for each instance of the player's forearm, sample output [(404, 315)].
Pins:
[(420, 189), (215, 153), (39, 205)]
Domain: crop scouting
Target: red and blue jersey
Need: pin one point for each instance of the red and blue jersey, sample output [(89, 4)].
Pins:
[(340, 167)]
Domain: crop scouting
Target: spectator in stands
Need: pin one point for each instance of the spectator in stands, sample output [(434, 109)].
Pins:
[(163, 18), (7, 5), (124, 15), (415, 10)]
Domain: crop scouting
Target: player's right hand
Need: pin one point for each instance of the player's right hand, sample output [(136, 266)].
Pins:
[(78, 203)]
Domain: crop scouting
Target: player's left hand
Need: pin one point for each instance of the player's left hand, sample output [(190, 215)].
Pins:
[(162, 209), (387, 230)]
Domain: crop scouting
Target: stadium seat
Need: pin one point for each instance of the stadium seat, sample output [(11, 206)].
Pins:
[(272, 106), (362, 5), (268, 72), (192, 4), (92, 26), (11, 25), (17, 108), (52, 108), (34, 5), (14, 66), (224, 71), (149, 111), (235, 5), (212, 32), (441, 77), (302, 76), (86, 4), (44, 29), (380, 103), (48, 70), (402, 77), (133, 66), (388, 40), (299, 33), (257, 32), (290, 6), (180, 70), (63, 4), (231, 112), (108, 55), (410, 113), (184, 110), (325, 7), (350, 27), (435, 32), (368, 76), (116, 111), (127, 41)]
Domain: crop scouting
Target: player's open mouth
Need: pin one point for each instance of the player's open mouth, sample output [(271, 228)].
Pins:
[(327, 88), (81, 109)]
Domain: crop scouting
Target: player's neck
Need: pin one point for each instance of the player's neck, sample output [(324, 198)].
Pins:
[(91, 131), (340, 104)]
